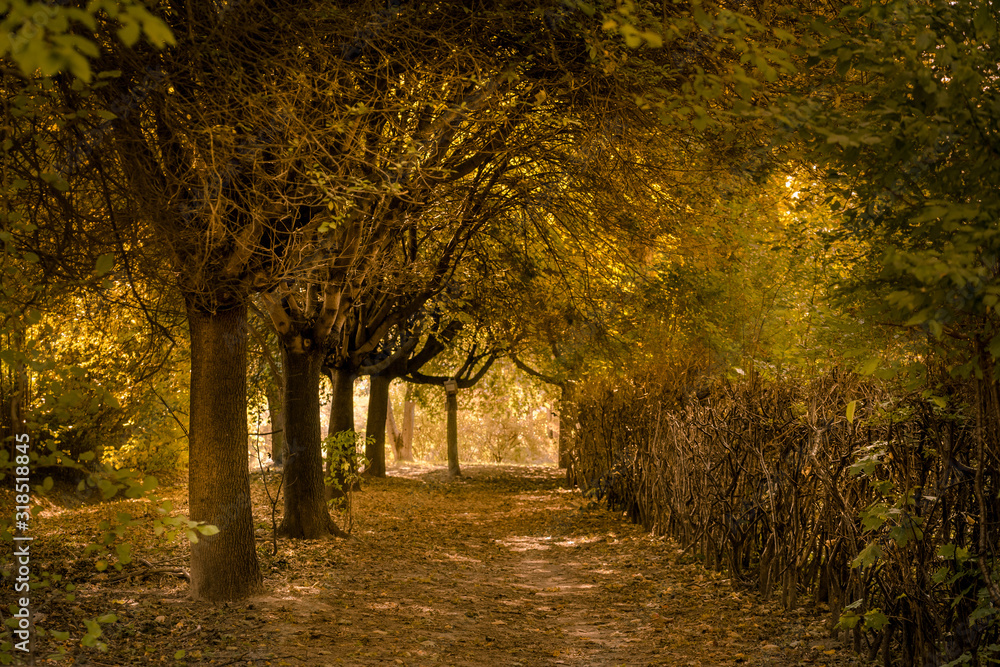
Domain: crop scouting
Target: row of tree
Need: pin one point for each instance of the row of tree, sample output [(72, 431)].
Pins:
[(360, 189), (342, 189)]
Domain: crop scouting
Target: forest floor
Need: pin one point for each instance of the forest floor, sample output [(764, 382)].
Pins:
[(501, 567)]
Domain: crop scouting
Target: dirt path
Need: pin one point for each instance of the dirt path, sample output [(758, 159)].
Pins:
[(507, 568), (502, 568)]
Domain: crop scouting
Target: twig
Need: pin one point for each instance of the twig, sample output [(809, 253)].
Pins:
[(149, 571)]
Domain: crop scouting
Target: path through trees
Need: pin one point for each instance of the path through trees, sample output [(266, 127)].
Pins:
[(501, 567)]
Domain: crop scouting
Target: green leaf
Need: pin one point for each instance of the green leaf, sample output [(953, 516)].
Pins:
[(180, 655), (869, 366), (104, 264), (848, 620), (157, 32), (129, 32), (850, 411), (875, 620), (981, 612), (208, 530), (868, 556), (783, 35)]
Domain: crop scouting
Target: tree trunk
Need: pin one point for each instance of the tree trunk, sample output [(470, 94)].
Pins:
[(567, 422), (328, 431), (306, 513), (342, 405), (453, 468), (409, 410), (378, 405), (394, 434), (223, 566), (276, 439), (341, 419)]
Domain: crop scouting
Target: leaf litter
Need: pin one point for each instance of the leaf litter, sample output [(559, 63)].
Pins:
[(502, 566)]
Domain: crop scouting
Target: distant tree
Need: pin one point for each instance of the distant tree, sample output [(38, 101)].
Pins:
[(402, 357)]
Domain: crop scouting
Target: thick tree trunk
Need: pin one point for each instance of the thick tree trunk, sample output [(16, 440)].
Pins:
[(306, 513), (453, 468), (378, 405), (276, 439), (223, 566), (567, 422)]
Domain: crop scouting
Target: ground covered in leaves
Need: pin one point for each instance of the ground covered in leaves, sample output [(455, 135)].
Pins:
[(503, 566)]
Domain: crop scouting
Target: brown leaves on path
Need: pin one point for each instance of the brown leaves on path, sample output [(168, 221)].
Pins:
[(505, 567), (501, 567)]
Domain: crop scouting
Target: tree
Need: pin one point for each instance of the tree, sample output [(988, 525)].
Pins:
[(303, 332), (196, 159), (472, 369), (399, 360)]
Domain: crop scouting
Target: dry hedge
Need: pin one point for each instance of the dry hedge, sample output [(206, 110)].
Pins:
[(850, 493)]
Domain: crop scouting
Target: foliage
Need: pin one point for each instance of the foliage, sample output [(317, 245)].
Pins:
[(53, 38), (909, 143), (111, 549), (346, 450), (103, 390)]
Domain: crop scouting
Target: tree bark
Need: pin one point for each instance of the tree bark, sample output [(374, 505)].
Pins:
[(409, 410), (328, 408), (452, 401), (275, 411), (223, 566), (341, 418), (378, 406), (342, 405), (394, 434), (306, 513)]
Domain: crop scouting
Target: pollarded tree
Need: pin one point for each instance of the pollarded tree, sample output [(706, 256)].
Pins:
[(399, 356), (445, 121), (474, 365), (220, 154)]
